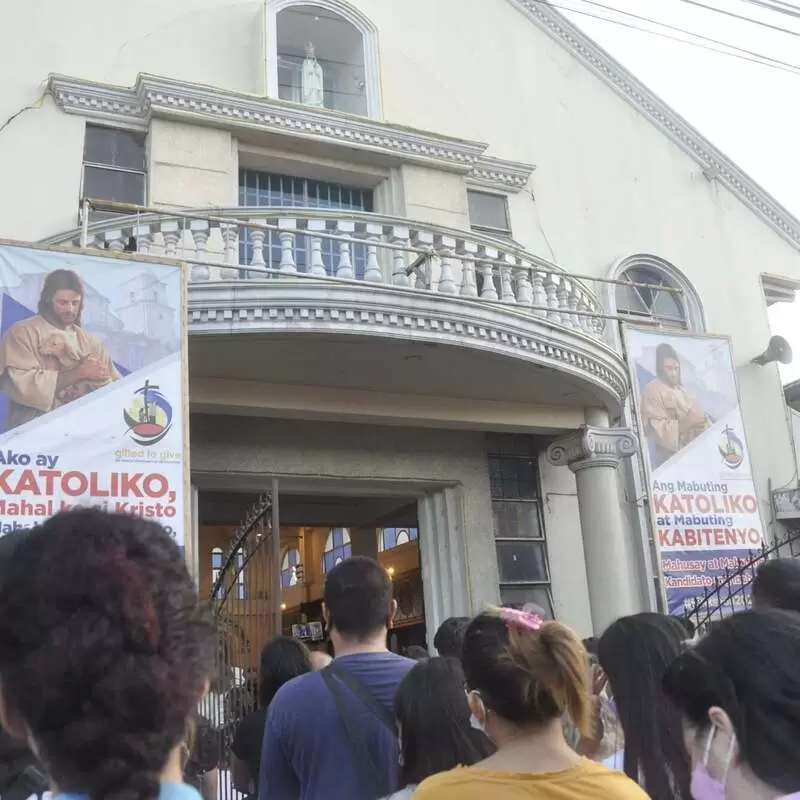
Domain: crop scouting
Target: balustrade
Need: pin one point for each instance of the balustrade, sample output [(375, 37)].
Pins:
[(246, 244)]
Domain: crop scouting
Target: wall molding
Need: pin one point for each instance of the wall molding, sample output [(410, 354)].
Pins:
[(282, 305), (688, 138), (155, 96)]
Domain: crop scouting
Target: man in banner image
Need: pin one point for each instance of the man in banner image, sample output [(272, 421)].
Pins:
[(49, 360), (672, 417)]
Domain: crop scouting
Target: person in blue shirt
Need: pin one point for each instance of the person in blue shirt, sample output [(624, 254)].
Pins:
[(331, 735), (105, 653)]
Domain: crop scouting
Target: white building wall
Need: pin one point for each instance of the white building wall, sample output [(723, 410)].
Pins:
[(607, 182)]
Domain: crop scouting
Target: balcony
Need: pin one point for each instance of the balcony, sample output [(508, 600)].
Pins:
[(312, 272)]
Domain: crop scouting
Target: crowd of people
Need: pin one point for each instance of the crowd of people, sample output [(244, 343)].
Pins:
[(106, 654)]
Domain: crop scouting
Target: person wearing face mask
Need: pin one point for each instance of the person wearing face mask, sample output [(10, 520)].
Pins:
[(738, 689), (523, 675)]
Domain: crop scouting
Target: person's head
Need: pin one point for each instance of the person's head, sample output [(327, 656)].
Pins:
[(738, 689), (282, 659), (450, 637), (777, 584), (635, 652), (523, 674), (104, 651), (417, 653), (668, 365), (319, 660), (357, 604), (61, 299), (433, 721)]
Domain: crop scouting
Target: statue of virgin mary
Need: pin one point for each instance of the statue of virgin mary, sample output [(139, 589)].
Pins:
[(311, 84)]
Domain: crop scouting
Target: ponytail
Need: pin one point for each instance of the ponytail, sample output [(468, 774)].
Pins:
[(528, 671)]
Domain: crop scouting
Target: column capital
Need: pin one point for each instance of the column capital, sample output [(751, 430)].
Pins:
[(593, 447)]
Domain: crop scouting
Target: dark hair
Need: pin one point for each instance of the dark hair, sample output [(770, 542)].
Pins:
[(688, 626), (747, 666), (358, 597), (56, 281), (528, 677), (104, 650), (777, 584), (282, 659), (634, 653), (432, 710), (449, 639), (590, 645), (663, 352)]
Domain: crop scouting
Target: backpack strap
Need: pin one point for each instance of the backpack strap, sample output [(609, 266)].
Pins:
[(377, 778)]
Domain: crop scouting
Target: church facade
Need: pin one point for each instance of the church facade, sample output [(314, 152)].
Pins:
[(414, 234)]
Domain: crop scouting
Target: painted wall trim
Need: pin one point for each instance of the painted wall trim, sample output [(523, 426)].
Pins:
[(688, 138)]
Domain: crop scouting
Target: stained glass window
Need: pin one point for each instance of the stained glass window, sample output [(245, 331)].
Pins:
[(389, 538), (289, 567), (337, 548)]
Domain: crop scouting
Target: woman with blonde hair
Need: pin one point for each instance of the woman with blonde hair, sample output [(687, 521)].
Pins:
[(523, 674)]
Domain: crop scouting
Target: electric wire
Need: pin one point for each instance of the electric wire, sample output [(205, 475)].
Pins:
[(791, 11), (742, 17), (730, 50)]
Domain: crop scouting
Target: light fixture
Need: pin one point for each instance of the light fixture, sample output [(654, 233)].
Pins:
[(390, 572), (283, 606)]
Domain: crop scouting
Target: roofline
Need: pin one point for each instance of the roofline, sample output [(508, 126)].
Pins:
[(715, 164)]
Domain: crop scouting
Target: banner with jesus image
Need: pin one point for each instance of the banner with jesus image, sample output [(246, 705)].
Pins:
[(91, 386), (702, 496)]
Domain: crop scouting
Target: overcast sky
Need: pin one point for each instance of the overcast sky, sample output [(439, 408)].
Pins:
[(748, 110)]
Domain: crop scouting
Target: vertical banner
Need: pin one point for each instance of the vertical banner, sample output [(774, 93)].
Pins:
[(92, 387), (702, 497)]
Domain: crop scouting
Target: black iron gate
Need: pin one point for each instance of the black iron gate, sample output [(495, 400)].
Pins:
[(245, 602), (730, 592)]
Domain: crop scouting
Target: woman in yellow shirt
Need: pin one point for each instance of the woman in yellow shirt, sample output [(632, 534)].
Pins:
[(523, 674)]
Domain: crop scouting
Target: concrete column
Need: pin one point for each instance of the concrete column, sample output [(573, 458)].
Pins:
[(593, 453), (364, 542)]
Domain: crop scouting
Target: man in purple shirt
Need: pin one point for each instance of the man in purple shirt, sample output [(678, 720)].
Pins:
[(331, 735)]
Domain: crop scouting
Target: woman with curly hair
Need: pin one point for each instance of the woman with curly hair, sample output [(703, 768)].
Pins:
[(104, 654)]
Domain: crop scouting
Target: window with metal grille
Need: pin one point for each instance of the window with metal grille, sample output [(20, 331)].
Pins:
[(488, 213), (651, 298), (266, 189), (517, 522), (114, 167)]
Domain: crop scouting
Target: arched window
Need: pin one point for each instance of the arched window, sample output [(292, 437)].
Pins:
[(389, 538), (337, 548), (290, 566), (654, 293), (323, 54)]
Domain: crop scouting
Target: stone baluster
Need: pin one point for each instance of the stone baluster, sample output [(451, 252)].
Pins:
[(539, 293), (506, 286), (445, 248), (400, 238), (114, 240), (200, 231), (425, 273), (373, 272), (562, 293), (230, 238), (469, 283), (171, 231), (524, 288), (550, 289), (586, 322), (574, 319), (144, 239), (488, 287), (286, 228), (345, 228), (316, 264), (257, 236)]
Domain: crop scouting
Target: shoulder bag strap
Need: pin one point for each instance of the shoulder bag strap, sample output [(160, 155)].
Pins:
[(358, 688), (377, 779)]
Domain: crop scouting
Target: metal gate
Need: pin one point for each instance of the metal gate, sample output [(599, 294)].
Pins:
[(246, 606), (730, 592)]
